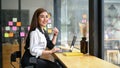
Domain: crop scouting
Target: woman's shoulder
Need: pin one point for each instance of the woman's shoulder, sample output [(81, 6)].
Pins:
[(35, 31)]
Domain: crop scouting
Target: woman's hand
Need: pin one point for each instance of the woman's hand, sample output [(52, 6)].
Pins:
[(55, 50), (46, 52), (56, 31)]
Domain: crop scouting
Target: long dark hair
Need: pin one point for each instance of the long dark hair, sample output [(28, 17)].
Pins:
[(34, 24)]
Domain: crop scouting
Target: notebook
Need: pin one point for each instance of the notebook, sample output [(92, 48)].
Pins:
[(71, 46)]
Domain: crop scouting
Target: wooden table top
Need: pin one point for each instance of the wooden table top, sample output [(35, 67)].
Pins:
[(84, 61)]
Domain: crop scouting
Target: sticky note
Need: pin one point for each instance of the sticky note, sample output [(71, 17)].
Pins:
[(14, 19), (49, 25), (28, 28), (49, 21), (14, 28), (10, 23), (11, 34), (45, 28), (22, 34), (18, 23), (6, 35), (49, 30), (7, 28)]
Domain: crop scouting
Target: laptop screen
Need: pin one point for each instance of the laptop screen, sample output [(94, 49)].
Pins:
[(71, 46), (73, 42)]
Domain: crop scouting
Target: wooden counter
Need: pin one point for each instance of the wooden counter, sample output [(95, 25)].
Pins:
[(83, 61)]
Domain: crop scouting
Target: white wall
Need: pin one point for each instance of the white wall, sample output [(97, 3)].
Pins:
[(32, 5), (9, 4)]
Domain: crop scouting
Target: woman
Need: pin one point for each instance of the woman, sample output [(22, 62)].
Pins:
[(38, 40)]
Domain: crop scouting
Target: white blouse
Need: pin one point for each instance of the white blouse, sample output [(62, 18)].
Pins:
[(37, 43)]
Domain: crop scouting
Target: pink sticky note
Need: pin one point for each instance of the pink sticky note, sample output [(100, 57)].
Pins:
[(10, 23), (22, 34), (28, 28), (49, 21), (14, 28)]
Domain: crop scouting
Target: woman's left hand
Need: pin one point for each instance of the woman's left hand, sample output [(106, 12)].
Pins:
[(56, 31), (55, 50)]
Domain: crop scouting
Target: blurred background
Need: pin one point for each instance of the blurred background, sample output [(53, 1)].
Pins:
[(66, 15)]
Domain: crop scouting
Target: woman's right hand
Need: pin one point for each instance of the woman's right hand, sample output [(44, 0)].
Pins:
[(56, 31)]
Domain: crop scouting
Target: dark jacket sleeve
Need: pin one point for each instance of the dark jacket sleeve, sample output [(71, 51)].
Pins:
[(50, 45)]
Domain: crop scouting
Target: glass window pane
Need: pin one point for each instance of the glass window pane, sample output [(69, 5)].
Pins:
[(112, 31), (74, 14)]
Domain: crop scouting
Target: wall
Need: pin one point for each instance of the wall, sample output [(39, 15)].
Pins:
[(31, 5)]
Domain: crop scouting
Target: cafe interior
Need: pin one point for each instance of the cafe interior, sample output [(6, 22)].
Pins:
[(92, 27)]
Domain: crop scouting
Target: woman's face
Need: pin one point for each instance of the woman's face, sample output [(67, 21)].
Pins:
[(43, 19)]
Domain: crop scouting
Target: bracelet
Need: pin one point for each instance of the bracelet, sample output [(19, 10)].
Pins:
[(55, 35)]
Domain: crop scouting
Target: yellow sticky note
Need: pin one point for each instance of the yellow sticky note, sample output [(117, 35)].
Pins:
[(45, 28), (49, 30)]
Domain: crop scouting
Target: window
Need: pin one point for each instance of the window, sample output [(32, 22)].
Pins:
[(112, 31)]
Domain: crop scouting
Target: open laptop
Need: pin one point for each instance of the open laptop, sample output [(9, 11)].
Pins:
[(71, 46)]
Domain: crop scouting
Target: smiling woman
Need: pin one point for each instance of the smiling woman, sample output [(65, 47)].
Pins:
[(38, 40)]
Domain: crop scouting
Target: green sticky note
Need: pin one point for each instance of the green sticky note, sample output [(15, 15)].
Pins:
[(6, 35)]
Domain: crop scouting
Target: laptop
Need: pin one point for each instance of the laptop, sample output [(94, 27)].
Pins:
[(71, 46)]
